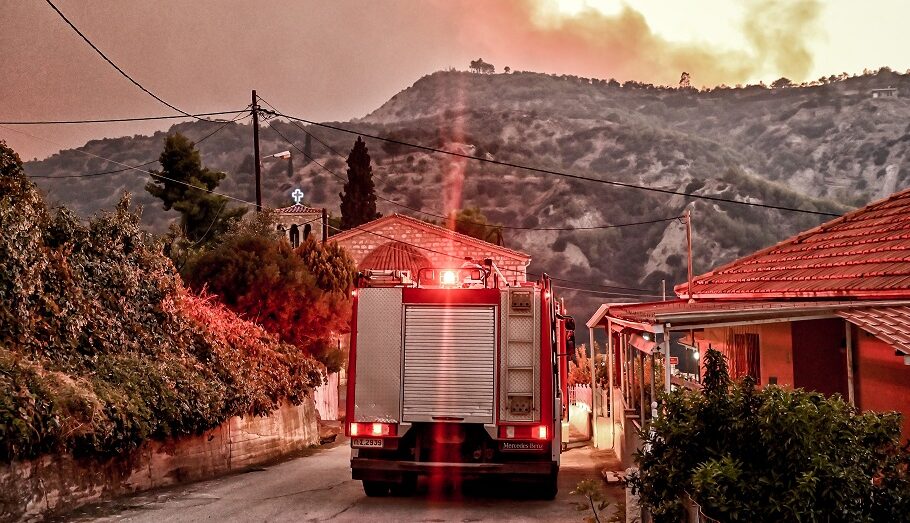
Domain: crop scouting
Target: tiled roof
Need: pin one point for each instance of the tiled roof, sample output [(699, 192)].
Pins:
[(681, 312), (298, 209), (395, 256), (435, 229), (863, 254), (891, 324)]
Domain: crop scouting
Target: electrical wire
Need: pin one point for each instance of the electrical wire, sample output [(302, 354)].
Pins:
[(130, 167), (160, 176), (438, 252), (321, 142), (502, 269), (592, 291), (458, 220), (557, 173), (115, 66), (112, 120), (114, 171)]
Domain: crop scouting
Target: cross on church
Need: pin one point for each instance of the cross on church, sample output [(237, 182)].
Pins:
[(297, 195)]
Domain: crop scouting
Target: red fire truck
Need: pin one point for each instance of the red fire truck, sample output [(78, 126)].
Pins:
[(455, 374)]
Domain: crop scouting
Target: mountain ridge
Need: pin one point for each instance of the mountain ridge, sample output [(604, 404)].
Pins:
[(824, 147)]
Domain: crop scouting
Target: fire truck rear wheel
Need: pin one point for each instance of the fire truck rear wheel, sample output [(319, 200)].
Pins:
[(375, 489), (548, 488), (407, 487)]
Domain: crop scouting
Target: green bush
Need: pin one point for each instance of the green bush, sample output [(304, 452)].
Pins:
[(771, 455), (101, 348)]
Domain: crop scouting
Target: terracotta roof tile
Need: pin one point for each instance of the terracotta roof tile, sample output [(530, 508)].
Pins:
[(890, 324), (395, 256), (865, 254), (434, 229), (298, 209)]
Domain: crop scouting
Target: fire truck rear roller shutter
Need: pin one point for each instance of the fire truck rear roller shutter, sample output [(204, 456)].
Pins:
[(449, 361)]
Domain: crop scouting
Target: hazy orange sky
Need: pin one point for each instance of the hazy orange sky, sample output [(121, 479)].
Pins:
[(339, 59)]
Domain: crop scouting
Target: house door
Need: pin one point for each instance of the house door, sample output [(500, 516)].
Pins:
[(820, 356)]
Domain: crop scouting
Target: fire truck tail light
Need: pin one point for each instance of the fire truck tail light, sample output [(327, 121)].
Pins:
[(354, 292), (372, 429), (540, 432)]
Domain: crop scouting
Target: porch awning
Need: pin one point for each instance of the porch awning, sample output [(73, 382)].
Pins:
[(642, 344), (890, 324)]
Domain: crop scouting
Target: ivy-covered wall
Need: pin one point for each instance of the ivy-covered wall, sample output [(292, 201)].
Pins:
[(103, 349)]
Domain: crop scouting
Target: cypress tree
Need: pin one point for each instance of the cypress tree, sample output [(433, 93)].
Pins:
[(358, 201)]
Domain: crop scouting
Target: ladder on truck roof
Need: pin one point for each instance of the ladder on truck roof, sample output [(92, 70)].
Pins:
[(521, 358)]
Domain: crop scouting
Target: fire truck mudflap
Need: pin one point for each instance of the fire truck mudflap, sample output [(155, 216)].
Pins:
[(456, 380)]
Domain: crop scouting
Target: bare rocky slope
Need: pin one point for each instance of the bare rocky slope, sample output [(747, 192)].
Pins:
[(827, 147)]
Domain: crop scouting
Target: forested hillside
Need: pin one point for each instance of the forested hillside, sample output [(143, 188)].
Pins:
[(828, 146)]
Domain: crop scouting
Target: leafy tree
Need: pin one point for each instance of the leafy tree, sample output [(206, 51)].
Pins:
[(358, 201), (472, 222), (301, 296), (781, 83), (580, 367), (685, 80), (479, 66), (184, 185), (771, 455), (507, 69)]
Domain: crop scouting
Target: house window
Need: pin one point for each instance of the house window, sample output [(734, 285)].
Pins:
[(743, 355)]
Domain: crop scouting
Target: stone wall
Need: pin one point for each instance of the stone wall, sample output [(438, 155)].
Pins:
[(360, 245), (59, 483)]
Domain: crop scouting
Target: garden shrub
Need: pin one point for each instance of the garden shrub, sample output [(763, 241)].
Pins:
[(300, 295), (102, 348), (771, 455)]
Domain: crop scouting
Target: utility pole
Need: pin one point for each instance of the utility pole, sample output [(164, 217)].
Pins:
[(689, 248), (325, 223), (257, 162)]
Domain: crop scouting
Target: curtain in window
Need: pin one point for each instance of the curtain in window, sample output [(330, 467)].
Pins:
[(742, 352)]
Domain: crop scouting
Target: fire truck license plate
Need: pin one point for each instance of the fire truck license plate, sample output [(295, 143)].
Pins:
[(367, 442)]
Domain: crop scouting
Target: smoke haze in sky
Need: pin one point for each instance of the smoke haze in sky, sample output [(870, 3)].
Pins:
[(340, 59)]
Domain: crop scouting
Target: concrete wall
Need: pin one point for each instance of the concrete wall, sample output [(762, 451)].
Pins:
[(882, 381), (57, 483)]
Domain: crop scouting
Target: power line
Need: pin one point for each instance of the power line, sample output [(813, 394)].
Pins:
[(313, 136), (431, 214), (458, 220), (130, 167), (240, 116), (112, 120), (557, 173), (115, 66), (592, 291), (503, 269)]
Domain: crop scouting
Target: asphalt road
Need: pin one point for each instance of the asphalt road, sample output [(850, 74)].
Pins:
[(318, 487)]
